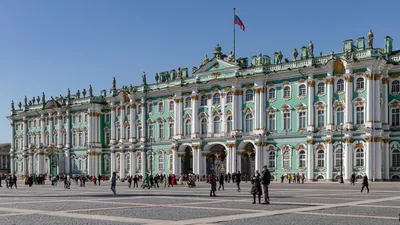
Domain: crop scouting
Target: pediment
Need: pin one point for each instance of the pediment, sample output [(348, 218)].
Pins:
[(216, 65)]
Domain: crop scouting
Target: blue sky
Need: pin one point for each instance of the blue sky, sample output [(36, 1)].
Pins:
[(51, 46)]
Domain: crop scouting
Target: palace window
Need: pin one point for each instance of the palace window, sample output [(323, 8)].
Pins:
[(139, 164), (151, 131), (118, 112), (229, 97), (340, 85), (128, 110), (203, 100), (360, 157), (107, 118), (34, 123), (73, 139), (171, 130), (396, 117), (339, 116), (86, 117), (203, 126), (160, 163), (86, 139), (338, 157), (302, 90), (320, 159), (107, 137), (150, 106), (360, 83), (320, 118), (140, 132), (161, 131), (128, 132), (160, 107), (359, 115), (107, 163), (396, 158), (271, 121), (249, 95), (321, 88), (286, 160), (139, 109), (127, 162), (188, 127), (217, 125), (395, 87), (188, 102), (229, 124), (286, 121), (118, 133), (80, 139), (271, 93), (171, 106), (302, 120), (286, 92), (271, 159), (216, 99), (55, 139), (302, 159), (249, 123)]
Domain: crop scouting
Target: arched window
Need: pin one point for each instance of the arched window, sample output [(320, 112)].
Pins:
[(229, 124), (118, 162), (203, 100), (320, 159), (272, 163), (396, 117), (127, 162), (217, 125), (106, 134), (150, 106), (359, 115), (302, 120), (229, 97), (286, 121), (286, 160), (302, 90), (339, 116), (302, 159), (320, 118), (151, 131), (118, 134), (160, 162), (139, 132), (216, 99), (360, 83), (360, 157), (321, 88), (171, 130), (161, 131), (128, 132), (340, 85), (249, 95), (395, 87), (118, 113), (171, 106), (338, 158), (204, 126), (188, 102), (249, 123), (160, 107), (80, 139), (139, 163), (396, 158), (271, 121), (128, 110), (286, 92), (271, 93), (188, 127)]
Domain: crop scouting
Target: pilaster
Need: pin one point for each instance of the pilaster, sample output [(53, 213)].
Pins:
[(348, 116), (329, 107), (132, 123), (195, 115), (385, 105), (122, 122), (113, 128), (310, 159), (310, 106), (143, 119), (329, 158), (122, 164)]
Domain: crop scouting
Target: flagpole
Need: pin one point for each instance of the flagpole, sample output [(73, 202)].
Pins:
[(234, 33)]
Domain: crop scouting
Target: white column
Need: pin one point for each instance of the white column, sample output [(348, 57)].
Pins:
[(329, 107), (210, 117), (228, 160), (175, 160), (113, 129), (100, 163), (348, 116), (386, 156), (240, 113), (377, 102), (42, 162), (89, 162), (378, 158), (90, 128), (310, 160), (144, 123), (256, 114), (12, 171), (122, 122), (195, 115), (329, 158), (30, 168), (122, 164), (144, 160), (51, 141), (59, 161), (132, 155), (234, 158), (223, 112), (235, 110), (198, 157), (59, 132), (384, 108), (132, 123), (24, 168), (43, 127), (25, 134), (177, 118), (68, 121), (258, 156), (239, 163), (262, 125), (67, 161), (348, 157), (370, 100), (195, 159), (310, 106), (369, 170), (112, 159)]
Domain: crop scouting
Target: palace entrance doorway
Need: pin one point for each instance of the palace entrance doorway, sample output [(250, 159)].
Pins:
[(216, 160), (248, 160), (187, 161)]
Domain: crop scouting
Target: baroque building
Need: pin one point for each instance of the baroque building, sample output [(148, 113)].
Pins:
[(5, 158), (317, 115)]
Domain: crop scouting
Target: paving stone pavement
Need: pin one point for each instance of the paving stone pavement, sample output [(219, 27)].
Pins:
[(309, 203)]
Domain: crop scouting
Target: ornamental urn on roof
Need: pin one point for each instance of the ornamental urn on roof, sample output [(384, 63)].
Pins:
[(218, 51)]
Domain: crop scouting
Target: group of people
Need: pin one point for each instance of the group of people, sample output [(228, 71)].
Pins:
[(10, 180), (294, 178)]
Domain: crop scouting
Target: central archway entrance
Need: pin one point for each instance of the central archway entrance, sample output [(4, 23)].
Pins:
[(187, 161), (216, 160), (248, 160)]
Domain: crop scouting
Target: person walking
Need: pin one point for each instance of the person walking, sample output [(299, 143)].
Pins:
[(99, 178), (113, 182), (256, 187), (221, 182), (265, 181), (365, 184), (130, 181), (353, 179), (135, 182), (237, 179), (14, 181), (213, 182)]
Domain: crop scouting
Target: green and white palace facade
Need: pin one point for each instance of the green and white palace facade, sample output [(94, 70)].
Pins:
[(307, 114)]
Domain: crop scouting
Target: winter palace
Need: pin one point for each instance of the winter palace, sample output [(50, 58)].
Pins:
[(321, 115)]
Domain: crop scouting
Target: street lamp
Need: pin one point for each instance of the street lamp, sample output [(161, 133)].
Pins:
[(151, 155), (341, 154)]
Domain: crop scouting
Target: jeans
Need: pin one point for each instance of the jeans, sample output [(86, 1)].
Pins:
[(363, 188), (264, 188), (221, 185), (238, 187), (113, 188)]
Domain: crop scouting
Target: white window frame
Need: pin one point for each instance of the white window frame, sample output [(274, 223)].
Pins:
[(300, 159), (272, 91), (392, 161), (318, 160), (395, 92), (217, 125), (229, 98), (246, 128), (269, 121), (337, 122), (150, 107), (300, 95), (161, 131), (299, 120), (171, 125), (203, 124), (249, 93), (284, 97), (317, 118), (160, 107), (359, 158), (227, 124), (337, 85), (357, 115), (171, 103), (283, 160), (150, 130), (391, 117), (356, 84), (321, 90), (284, 122), (160, 162), (188, 127), (188, 103), (272, 159), (216, 99), (203, 100)]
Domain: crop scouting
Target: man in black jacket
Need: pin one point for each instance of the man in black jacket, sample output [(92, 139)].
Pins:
[(265, 181), (238, 178), (221, 182)]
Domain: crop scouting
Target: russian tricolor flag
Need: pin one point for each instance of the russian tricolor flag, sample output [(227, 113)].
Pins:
[(239, 22)]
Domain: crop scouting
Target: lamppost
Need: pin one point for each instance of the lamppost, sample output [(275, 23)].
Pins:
[(341, 154), (151, 155)]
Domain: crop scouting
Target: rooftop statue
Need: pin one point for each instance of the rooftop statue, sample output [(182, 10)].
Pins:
[(144, 78), (231, 58), (12, 106), (20, 105), (370, 39), (157, 77), (90, 91), (69, 94), (130, 88), (311, 49), (84, 93), (286, 60), (38, 99), (78, 94), (61, 98), (179, 73), (114, 84), (33, 100), (205, 61), (320, 53), (30, 103), (295, 54), (280, 56), (43, 98), (26, 100)]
